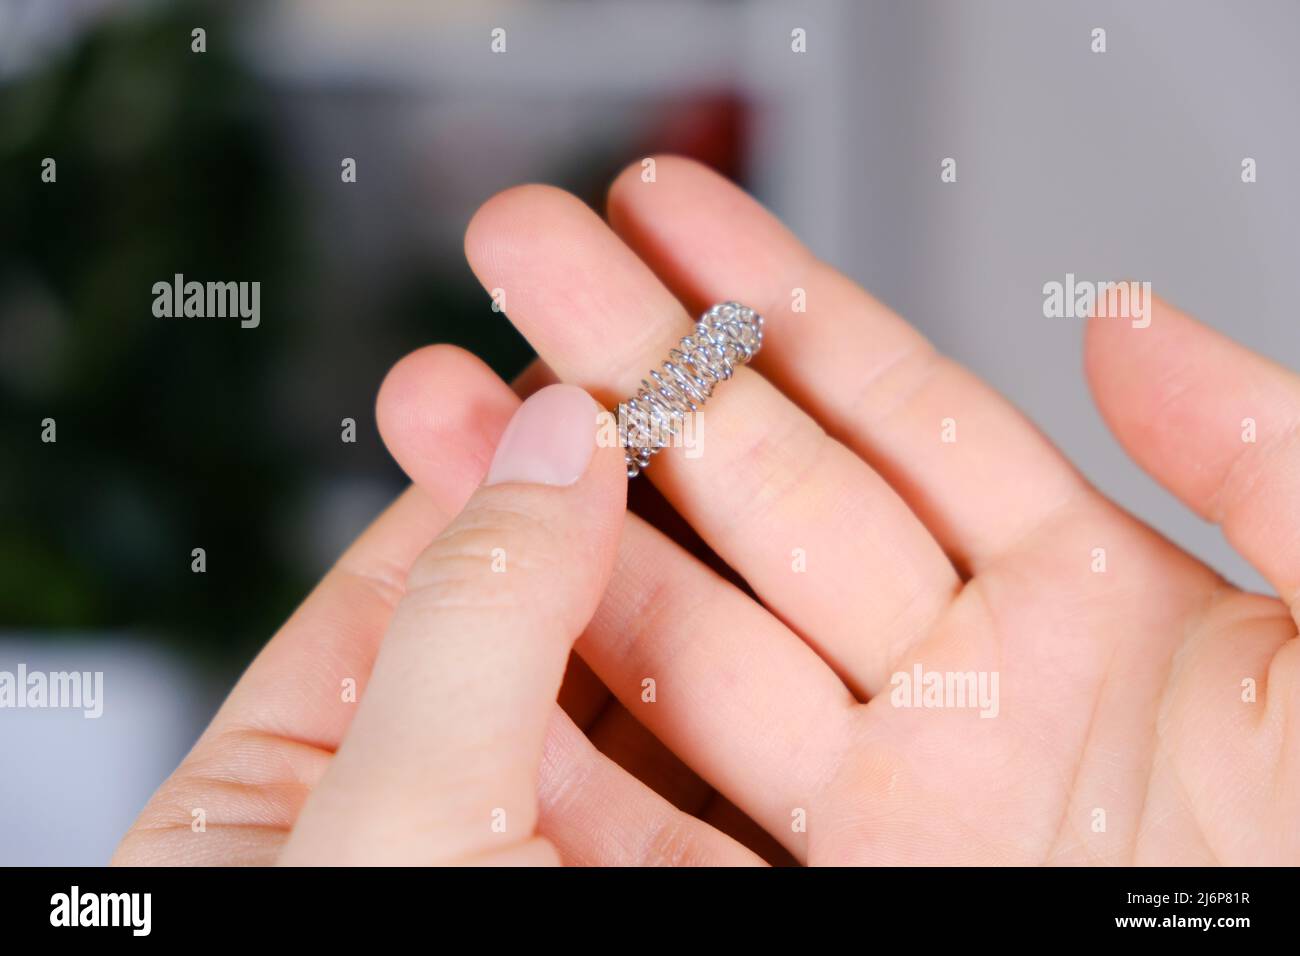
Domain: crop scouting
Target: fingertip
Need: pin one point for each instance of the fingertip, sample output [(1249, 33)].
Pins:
[(1119, 351), (667, 166), (512, 218), (550, 440), (562, 437), (1098, 354), (703, 235), (678, 181), (1177, 394), (440, 411)]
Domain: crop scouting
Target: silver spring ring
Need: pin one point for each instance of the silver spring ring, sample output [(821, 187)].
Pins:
[(727, 335)]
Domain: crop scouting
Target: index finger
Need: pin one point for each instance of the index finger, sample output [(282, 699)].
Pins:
[(867, 376)]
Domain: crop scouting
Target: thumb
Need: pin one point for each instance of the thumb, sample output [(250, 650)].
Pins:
[(441, 761), (1216, 424)]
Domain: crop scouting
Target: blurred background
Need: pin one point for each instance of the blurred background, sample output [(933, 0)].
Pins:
[(176, 435)]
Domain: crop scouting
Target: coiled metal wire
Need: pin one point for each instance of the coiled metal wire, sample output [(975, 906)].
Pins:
[(727, 335)]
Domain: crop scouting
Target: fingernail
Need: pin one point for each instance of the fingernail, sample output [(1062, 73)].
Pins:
[(549, 441)]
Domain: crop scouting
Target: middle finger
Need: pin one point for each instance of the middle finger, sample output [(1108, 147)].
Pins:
[(820, 537)]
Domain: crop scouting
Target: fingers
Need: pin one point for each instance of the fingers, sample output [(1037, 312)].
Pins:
[(440, 389), (1215, 423), (441, 412), (294, 689), (597, 814), (741, 700), (441, 761), (268, 745), (969, 465), (629, 743), (771, 494), (727, 687)]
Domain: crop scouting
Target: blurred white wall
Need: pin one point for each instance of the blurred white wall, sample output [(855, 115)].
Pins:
[(70, 785)]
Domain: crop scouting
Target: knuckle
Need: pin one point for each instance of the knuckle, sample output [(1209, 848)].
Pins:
[(674, 843), (490, 557), (768, 461)]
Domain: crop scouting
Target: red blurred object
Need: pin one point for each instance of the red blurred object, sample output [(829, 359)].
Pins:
[(710, 128)]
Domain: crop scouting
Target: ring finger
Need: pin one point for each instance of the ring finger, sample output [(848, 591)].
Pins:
[(820, 537)]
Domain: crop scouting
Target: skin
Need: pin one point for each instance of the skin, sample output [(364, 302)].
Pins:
[(1123, 695)]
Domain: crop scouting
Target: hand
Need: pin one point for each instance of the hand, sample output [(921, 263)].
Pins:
[(1126, 730), (441, 762), (1119, 691)]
